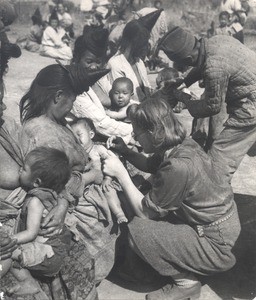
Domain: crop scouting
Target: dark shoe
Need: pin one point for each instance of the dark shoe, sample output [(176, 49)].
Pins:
[(173, 292)]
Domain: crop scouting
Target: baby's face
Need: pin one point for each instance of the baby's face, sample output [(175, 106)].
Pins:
[(121, 94), (83, 134)]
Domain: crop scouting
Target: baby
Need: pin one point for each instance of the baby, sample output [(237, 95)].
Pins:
[(44, 174), (167, 75), (120, 95), (85, 131)]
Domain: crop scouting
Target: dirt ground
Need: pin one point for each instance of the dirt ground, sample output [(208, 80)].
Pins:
[(240, 282)]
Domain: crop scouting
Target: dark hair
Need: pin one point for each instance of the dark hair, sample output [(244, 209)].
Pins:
[(124, 80), (169, 73), (43, 90), (51, 166), (135, 36), (88, 123), (94, 39), (69, 79), (36, 20), (224, 13), (79, 49), (156, 116)]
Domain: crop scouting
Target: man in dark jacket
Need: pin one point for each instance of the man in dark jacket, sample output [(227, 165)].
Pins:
[(228, 70)]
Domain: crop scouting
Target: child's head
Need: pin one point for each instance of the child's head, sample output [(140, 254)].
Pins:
[(45, 167), (165, 75), (84, 130), (121, 92), (158, 4), (224, 18), (54, 20)]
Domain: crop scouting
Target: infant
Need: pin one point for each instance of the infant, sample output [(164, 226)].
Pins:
[(120, 95), (85, 131)]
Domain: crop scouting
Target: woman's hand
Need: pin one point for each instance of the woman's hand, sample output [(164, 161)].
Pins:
[(7, 246), (117, 143), (54, 221), (112, 166)]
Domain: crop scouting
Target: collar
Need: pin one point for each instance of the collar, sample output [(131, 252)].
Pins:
[(202, 53)]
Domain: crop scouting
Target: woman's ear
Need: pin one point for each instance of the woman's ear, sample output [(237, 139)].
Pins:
[(37, 182), (58, 96)]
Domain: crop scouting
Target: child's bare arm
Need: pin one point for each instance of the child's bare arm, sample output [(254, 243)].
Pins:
[(117, 115), (34, 215)]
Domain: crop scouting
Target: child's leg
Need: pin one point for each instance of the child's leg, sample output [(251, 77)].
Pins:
[(5, 266), (115, 206), (27, 284)]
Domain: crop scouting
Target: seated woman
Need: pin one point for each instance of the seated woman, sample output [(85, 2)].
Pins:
[(32, 41), (188, 222), (90, 52), (128, 62), (43, 111), (55, 42), (78, 267)]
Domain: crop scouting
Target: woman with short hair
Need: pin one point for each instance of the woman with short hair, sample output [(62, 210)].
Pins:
[(187, 223)]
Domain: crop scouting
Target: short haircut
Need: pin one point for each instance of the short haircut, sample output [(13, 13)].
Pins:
[(224, 13), (157, 1), (168, 73), (124, 80), (88, 123), (156, 116), (51, 166)]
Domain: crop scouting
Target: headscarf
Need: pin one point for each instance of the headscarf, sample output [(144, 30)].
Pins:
[(37, 17), (82, 79), (54, 16), (94, 39), (79, 79), (137, 32)]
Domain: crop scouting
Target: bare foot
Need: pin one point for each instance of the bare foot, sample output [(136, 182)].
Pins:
[(122, 219), (26, 287)]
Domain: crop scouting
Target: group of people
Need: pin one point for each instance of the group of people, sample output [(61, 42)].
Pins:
[(51, 37), (232, 18), (100, 157)]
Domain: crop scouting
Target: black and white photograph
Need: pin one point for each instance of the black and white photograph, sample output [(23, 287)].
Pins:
[(127, 149)]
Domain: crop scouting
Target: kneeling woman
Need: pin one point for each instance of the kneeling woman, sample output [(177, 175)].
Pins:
[(188, 222)]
